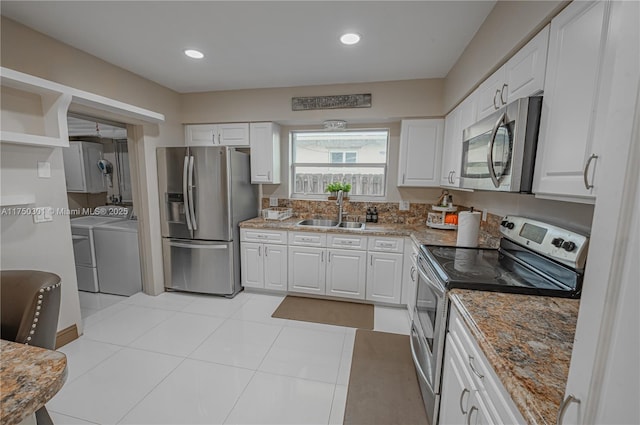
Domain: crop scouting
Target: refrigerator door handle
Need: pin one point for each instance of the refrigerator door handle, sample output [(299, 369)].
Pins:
[(196, 246), (185, 196), (192, 211)]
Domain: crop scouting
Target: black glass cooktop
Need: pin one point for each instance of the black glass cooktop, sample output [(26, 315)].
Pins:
[(511, 269)]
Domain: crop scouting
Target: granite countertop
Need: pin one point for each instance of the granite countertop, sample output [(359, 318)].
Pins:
[(420, 233), (30, 377), (528, 341)]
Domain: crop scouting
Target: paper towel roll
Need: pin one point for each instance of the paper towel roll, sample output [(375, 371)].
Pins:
[(468, 228)]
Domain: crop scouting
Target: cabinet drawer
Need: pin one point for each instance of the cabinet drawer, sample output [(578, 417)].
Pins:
[(384, 244), (346, 241), (308, 239), (267, 236)]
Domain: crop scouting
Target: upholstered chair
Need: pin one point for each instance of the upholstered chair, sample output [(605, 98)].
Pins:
[(30, 304)]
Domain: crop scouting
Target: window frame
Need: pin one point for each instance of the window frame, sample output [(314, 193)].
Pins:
[(316, 196)]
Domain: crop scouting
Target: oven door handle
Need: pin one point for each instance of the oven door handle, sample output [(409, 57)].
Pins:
[(416, 362), (492, 142), (439, 289)]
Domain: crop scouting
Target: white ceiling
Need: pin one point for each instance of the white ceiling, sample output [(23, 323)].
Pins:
[(262, 43)]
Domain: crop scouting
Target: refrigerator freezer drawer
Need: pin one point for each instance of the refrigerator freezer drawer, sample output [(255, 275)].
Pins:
[(199, 266)]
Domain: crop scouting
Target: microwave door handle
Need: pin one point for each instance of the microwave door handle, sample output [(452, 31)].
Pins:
[(191, 203), (494, 134), (185, 191)]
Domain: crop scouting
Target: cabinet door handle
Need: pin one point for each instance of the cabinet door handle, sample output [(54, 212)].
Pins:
[(371, 260), (411, 274), (563, 407), (504, 86), (495, 96), (453, 176), (259, 251), (269, 175), (473, 368), (586, 171), (322, 258), (219, 139), (329, 258), (461, 397), (266, 251), (469, 415), (403, 176)]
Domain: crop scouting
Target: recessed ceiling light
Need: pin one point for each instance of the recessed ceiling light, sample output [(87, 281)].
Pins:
[(350, 38), (195, 54)]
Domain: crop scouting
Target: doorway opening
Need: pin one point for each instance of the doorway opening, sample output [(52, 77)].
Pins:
[(104, 224)]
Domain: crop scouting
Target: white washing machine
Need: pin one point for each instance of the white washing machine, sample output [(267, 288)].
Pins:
[(118, 258), (84, 249)]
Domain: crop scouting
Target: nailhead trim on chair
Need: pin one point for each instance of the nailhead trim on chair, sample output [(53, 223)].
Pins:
[(38, 308)]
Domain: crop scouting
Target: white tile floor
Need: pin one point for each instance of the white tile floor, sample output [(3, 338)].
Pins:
[(189, 359)]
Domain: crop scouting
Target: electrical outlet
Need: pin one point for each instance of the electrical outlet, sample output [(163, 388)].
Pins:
[(404, 205), (273, 201), (42, 214), (484, 215)]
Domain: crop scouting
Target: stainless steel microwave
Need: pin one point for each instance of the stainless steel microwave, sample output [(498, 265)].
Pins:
[(498, 152)]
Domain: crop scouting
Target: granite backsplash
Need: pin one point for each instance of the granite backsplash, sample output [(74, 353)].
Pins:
[(388, 212)]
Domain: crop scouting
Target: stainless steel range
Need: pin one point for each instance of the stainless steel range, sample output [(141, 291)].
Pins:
[(534, 258)]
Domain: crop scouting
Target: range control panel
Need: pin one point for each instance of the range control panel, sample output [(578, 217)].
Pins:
[(560, 244)]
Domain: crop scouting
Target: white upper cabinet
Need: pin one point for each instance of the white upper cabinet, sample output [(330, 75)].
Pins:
[(264, 139), (420, 152), (523, 75), (525, 71), (455, 123), (489, 92), (81, 167), (236, 134), (566, 161)]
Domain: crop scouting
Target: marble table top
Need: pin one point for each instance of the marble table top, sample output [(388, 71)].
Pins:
[(528, 340), (29, 376)]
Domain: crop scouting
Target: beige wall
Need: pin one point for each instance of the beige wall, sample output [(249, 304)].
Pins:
[(43, 246), (507, 28), (394, 193), (31, 52), (391, 100)]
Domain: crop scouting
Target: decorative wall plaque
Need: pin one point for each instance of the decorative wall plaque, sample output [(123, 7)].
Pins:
[(331, 102)]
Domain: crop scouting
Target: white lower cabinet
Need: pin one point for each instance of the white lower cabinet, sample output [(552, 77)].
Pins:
[(345, 265), (264, 266), (384, 277), (307, 269), (263, 259), (457, 386), (316, 269), (471, 392), (346, 273), (409, 276)]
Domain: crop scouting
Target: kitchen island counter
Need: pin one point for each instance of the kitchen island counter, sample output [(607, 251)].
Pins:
[(30, 377), (527, 340)]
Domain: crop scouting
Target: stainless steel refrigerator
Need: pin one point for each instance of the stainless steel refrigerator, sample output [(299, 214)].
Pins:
[(204, 193)]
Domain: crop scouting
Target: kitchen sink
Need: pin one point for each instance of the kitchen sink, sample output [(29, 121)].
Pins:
[(351, 225), (318, 223), (331, 223)]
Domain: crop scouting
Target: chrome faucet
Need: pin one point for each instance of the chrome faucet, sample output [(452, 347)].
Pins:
[(339, 203)]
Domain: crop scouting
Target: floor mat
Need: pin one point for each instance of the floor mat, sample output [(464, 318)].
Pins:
[(329, 312), (383, 386)]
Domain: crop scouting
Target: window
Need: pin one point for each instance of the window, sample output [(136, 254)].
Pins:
[(357, 157), (337, 157)]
